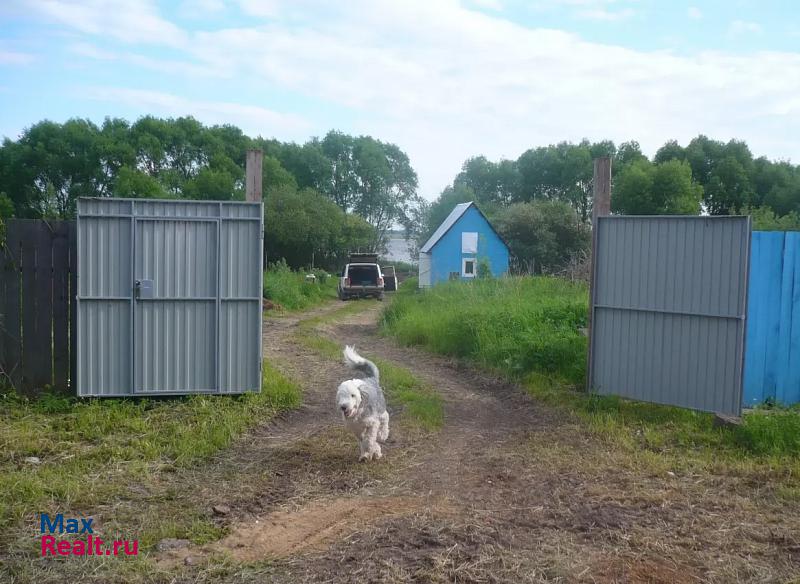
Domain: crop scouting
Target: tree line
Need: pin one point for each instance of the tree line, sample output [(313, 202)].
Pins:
[(322, 198), (541, 202), (328, 196)]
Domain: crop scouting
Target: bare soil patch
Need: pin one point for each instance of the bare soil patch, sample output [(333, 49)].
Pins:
[(285, 532)]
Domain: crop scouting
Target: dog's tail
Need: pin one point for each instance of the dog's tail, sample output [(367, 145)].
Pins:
[(356, 361)]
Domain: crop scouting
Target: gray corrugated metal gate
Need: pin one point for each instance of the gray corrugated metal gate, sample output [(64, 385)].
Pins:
[(668, 313), (169, 297)]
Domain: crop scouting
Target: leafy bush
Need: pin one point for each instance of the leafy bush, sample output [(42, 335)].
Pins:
[(765, 219), (290, 290)]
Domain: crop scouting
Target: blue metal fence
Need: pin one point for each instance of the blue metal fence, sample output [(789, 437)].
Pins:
[(772, 349)]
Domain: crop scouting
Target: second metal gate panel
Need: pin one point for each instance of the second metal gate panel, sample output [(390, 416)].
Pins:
[(669, 310)]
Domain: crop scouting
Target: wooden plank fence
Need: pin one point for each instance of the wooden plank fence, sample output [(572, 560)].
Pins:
[(37, 304), (772, 359)]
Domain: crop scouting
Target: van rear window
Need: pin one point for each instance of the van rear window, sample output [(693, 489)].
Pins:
[(363, 275)]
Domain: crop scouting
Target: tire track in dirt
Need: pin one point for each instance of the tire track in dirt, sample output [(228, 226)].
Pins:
[(482, 413)]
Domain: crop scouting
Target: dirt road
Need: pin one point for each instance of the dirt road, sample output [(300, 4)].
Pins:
[(508, 490)]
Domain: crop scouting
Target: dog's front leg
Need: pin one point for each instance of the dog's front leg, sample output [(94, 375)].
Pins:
[(363, 445), (373, 448)]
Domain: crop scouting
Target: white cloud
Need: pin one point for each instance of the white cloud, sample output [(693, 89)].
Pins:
[(605, 14), (445, 82), (740, 27), (495, 5), (694, 13), (200, 8), (600, 10), (264, 8), (15, 58), (169, 66), (92, 51), (124, 20), (252, 119)]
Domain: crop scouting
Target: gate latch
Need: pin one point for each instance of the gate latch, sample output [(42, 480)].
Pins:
[(144, 289)]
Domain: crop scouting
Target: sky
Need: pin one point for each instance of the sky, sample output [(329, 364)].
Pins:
[(443, 79)]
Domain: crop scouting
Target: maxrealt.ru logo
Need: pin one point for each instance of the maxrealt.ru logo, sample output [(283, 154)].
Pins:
[(91, 545)]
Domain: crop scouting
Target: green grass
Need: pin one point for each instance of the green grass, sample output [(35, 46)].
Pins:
[(527, 329), (90, 450), (290, 291), (420, 403), (422, 406), (516, 325)]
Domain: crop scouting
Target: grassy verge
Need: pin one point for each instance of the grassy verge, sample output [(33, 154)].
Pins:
[(528, 329), (289, 290), (422, 406), (90, 451), (515, 325)]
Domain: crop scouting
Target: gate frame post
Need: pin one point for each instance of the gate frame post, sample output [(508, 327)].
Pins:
[(253, 171), (601, 207)]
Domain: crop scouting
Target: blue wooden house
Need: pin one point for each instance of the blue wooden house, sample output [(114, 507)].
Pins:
[(454, 250)]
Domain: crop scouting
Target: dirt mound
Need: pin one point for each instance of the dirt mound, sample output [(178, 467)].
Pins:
[(282, 533)]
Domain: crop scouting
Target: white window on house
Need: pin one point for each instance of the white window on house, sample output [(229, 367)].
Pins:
[(468, 267), (469, 242)]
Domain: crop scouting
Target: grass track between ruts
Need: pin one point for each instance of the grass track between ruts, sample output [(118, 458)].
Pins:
[(528, 329)]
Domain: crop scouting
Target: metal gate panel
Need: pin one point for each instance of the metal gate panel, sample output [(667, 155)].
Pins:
[(668, 313), (192, 324), (103, 303), (240, 302), (175, 321)]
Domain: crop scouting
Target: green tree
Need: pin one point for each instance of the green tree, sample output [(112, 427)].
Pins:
[(134, 184), (6, 206), (307, 163), (339, 150), (211, 184), (633, 188), (542, 235), (674, 189), (304, 225), (643, 188), (670, 151), (729, 188), (438, 211), (627, 153), (560, 172), (274, 176), (386, 184)]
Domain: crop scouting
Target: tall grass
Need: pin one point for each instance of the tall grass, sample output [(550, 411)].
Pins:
[(290, 290), (514, 325), (528, 329)]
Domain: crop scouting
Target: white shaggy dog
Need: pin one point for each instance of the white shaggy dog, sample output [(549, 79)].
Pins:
[(363, 406)]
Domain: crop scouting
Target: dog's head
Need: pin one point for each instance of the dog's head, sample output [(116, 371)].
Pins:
[(348, 397)]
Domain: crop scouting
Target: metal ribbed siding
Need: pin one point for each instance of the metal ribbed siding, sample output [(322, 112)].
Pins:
[(669, 310), (201, 331)]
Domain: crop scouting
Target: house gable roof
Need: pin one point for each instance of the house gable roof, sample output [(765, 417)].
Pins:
[(456, 214)]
